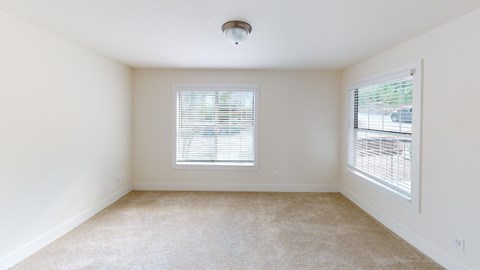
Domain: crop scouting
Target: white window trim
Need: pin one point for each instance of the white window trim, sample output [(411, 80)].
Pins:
[(417, 67), (217, 87)]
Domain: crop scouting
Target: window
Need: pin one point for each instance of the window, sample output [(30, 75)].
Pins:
[(216, 125), (384, 131)]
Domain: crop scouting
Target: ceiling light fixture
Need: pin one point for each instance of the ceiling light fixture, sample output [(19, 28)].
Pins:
[(236, 31)]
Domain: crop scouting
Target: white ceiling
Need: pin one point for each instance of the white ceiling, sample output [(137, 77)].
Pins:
[(287, 34)]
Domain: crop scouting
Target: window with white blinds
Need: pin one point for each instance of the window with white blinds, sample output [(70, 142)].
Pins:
[(216, 125), (381, 141)]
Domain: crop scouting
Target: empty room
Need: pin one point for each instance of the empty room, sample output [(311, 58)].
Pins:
[(208, 134)]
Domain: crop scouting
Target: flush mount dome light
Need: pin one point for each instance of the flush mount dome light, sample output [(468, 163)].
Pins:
[(236, 31)]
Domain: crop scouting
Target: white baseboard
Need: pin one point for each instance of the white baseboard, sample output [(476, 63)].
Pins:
[(421, 244), (36, 244), (235, 187)]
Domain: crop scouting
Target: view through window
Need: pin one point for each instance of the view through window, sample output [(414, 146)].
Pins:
[(380, 142), (216, 126)]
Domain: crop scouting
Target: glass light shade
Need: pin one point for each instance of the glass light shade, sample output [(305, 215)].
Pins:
[(236, 35), (236, 31)]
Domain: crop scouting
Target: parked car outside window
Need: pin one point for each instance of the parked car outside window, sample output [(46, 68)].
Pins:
[(403, 114)]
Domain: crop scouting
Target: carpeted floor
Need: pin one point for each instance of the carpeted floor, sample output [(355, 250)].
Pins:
[(227, 230)]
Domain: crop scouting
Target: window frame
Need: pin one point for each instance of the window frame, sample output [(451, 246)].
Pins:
[(250, 87), (415, 68)]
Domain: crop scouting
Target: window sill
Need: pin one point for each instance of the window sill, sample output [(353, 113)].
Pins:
[(214, 166), (362, 178)]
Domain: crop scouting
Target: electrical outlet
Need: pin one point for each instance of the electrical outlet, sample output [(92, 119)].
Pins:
[(276, 174), (459, 244)]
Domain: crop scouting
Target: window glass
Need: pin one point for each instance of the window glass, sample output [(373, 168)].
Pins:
[(215, 126), (380, 136)]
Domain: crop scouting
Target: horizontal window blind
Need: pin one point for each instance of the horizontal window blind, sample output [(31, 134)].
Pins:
[(215, 127), (380, 133)]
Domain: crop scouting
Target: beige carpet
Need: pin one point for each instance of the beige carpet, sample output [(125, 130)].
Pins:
[(222, 230)]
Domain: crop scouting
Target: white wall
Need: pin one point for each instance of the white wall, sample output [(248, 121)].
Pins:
[(65, 133), (298, 126), (450, 196)]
